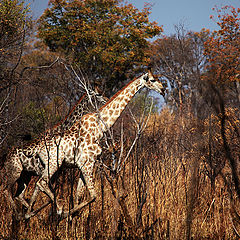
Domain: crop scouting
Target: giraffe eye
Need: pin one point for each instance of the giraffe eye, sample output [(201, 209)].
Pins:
[(146, 78), (153, 80)]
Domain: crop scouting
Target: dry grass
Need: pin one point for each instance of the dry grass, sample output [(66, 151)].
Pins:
[(167, 165)]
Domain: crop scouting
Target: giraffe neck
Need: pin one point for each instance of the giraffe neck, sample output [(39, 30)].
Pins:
[(111, 111), (74, 115), (82, 107)]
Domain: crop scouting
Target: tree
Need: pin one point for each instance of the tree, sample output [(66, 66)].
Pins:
[(106, 38), (222, 48), (222, 51), (15, 26), (179, 60)]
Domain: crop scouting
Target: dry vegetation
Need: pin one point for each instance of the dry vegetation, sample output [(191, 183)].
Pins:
[(165, 186)]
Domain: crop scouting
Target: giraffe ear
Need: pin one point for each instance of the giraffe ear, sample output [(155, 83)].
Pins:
[(150, 72), (98, 90)]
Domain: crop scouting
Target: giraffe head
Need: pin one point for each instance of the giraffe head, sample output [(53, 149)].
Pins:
[(99, 94), (149, 81)]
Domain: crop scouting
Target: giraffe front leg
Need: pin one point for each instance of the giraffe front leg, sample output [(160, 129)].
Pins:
[(41, 185), (87, 176), (32, 201), (87, 173), (80, 189)]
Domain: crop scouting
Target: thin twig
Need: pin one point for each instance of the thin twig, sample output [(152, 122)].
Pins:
[(139, 131), (21, 52), (206, 213), (6, 123), (121, 151), (4, 101), (235, 230)]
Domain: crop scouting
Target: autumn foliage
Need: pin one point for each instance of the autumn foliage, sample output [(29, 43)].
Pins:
[(222, 48)]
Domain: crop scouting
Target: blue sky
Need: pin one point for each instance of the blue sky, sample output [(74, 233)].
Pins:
[(194, 14)]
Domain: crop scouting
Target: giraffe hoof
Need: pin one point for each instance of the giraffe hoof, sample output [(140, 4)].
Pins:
[(60, 211), (18, 217), (27, 216)]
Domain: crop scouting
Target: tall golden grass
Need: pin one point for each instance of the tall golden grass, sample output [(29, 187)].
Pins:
[(164, 185)]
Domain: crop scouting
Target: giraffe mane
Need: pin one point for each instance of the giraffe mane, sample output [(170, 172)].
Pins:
[(70, 112), (119, 92), (38, 139)]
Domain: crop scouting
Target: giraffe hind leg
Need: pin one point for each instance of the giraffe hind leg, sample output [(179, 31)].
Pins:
[(33, 198), (8, 194), (80, 189), (13, 173), (21, 198), (23, 182)]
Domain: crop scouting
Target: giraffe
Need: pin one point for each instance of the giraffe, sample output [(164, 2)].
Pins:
[(24, 162), (80, 144)]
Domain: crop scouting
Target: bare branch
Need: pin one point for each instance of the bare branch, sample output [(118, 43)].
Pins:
[(140, 128), (40, 67)]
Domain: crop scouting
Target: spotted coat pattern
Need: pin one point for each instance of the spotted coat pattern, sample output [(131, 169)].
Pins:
[(80, 144), (22, 163)]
